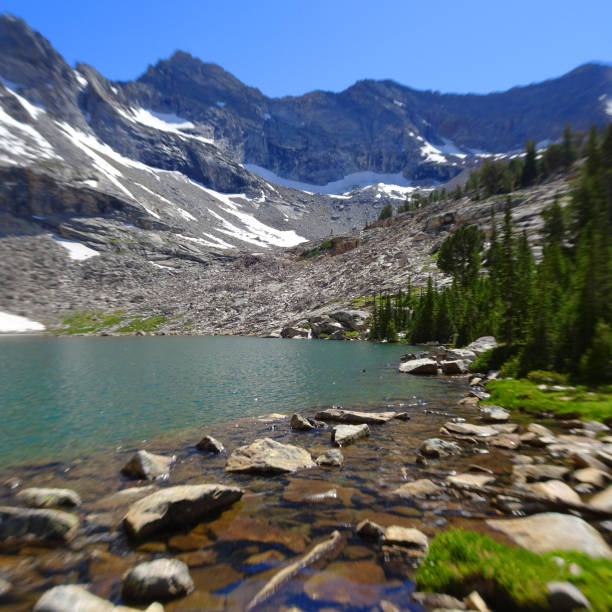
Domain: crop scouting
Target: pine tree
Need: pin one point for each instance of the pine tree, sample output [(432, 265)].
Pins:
[(530, 168)]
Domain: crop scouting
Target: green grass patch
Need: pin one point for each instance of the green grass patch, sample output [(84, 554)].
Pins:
[(352, 334), (326, 245), (89, 321), (510, 578), (145, 325), (525, 396)]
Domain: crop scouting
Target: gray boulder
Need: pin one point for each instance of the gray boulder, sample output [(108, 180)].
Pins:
[(468, 429), (76, 598), (148, 466), (161, 579), (330, 458), (176, 506), (294, 332), (457, 366), (36, 497), (550, 531), (493, 414), (24, 525), (210, 445), (482, 345), (355, 417), (436, 447), (266, 456), (355, 320), (419, 366), (342, 435), (323, 324)]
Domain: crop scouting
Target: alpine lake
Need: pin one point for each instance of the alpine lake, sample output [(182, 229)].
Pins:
[(74, 410)]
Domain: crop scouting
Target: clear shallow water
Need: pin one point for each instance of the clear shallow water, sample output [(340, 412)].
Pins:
[(63, 397)]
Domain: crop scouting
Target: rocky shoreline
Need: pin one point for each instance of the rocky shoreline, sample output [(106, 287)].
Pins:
[(331, 510)]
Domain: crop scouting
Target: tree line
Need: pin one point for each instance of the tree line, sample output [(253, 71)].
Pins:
[(550, 314)]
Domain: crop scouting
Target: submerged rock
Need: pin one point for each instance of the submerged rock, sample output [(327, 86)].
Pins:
[(355, 417), (419, 366), (551, 531), (210, 445), (148, 466), (76, 598), (176, 506), (23, 525), (49, 498), (436, 447), (161, 579), (330, 458), (370, 530), (347, 434), (266, 456), (418, 488)]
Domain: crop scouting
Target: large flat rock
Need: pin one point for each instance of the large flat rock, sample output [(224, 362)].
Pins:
[(355, 417), (467, 429), (177, 506), (24, 525), (36, 497), (419, 366), (347, 434), (550, 531), (266, 456), (76, 598)]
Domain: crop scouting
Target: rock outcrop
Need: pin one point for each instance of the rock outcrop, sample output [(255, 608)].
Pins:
[(266, 456)]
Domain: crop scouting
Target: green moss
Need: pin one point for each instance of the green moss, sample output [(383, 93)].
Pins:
[(145, 325), (89, 321), (514, 578), (352, 334), (525, 396), (326, 245)]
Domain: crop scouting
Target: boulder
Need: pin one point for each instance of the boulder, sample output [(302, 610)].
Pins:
[(330, 458), (27, 526), (482, 345), (407, 537), (176, 506), (266, 456), (419, 366), (76, 598), (354, 417), (148, 466), (457, 366), (551, 531), (355, 320), (412, 356), (467, 429), (556, 489), (294, 332), (435, 601), (49, 498), (436, 447), (565, 597), (161, 579), (210, 445), (603, 500), (323, 324), (470, 479), (539, 472), (418, 488), (368, 529), (347, 434), (458, 355), (300, 423), (493, 414), (5, 588)]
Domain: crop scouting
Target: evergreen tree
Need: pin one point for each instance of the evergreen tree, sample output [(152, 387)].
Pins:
[(530, 168)]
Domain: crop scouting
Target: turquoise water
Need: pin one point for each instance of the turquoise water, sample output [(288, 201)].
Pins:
[(61, 398)]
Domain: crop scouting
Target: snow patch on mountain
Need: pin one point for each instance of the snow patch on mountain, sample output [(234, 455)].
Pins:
[(350, 181), (14, 323), (76, 250), (32, 109), (609, 107), (21, 142)]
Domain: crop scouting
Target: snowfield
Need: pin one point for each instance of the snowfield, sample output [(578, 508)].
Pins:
[(15, 323)]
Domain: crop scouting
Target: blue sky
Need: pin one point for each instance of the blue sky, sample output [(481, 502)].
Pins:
[(286, 47)]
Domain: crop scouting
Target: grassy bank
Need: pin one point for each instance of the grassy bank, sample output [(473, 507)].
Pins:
[(95, 321), (510, 578), (526, 396)]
